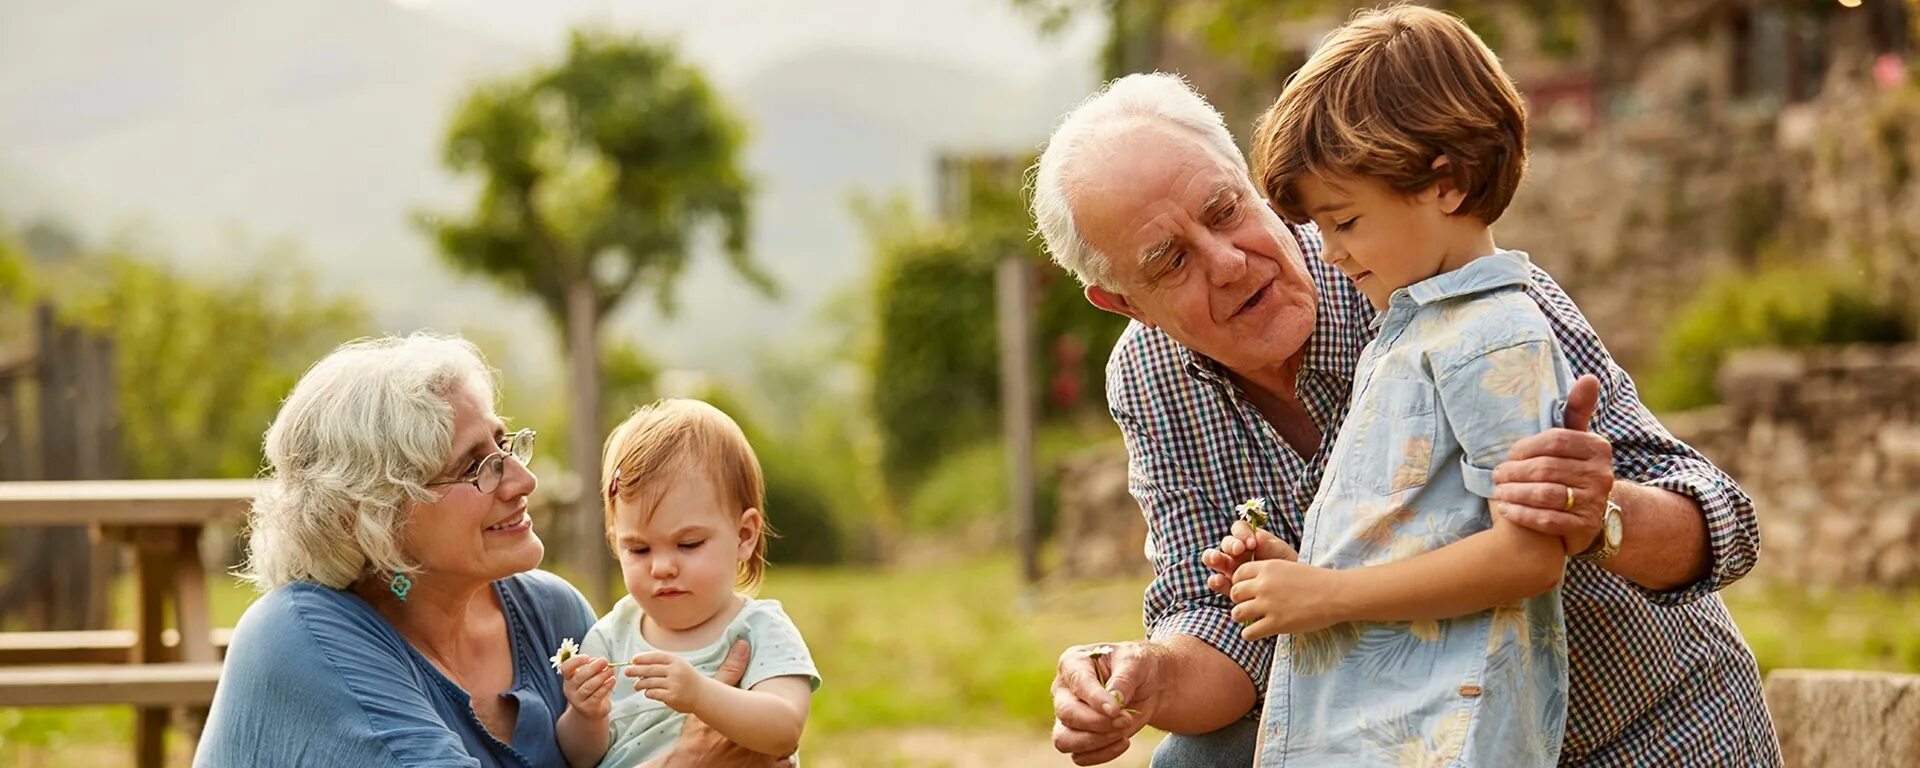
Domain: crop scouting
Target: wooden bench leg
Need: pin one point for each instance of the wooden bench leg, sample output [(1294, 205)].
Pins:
[(156, 562), (150, 737)]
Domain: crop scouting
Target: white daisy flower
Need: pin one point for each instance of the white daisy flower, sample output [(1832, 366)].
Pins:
[(1254, 511), (567, 651)]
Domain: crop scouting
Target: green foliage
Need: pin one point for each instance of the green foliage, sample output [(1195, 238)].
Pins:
[(600, 169), (1786, 305), (1792, 627), (14, 286), (627, 378), (935, 368), (970, 483), (203, 365)]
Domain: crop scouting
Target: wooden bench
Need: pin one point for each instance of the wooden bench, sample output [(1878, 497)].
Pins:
[(79, 685), (162, 521), (108, 646)]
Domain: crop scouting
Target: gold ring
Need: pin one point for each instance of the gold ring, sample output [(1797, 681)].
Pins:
[(1569, 498)]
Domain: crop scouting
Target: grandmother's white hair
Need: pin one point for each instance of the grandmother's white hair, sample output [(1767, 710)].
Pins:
[(1087, 131), (362, 431)]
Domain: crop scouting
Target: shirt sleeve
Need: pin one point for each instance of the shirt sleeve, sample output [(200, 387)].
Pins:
[(1181, 524), (1495, 398), (778, 648), (308, 683), (1645, 452)]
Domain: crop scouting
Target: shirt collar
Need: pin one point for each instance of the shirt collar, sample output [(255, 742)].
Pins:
[(1502, 269)]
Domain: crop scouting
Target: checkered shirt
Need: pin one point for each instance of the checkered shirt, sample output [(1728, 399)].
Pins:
[(1658, 678)]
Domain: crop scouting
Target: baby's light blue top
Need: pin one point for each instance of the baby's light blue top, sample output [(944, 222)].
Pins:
[(644, 728)]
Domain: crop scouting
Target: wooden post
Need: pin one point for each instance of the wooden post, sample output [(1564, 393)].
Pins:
[(97, 413), (13, 452), (1014, 300), (583, 349)]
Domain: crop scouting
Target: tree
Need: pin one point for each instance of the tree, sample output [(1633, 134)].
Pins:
[(598, 174)]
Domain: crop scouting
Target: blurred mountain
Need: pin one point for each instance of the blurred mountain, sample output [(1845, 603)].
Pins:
[(320, 122)]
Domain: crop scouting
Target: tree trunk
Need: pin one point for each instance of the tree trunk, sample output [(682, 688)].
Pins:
[(583, 358)]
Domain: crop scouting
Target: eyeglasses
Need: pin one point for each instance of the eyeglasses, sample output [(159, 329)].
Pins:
[(485, 476)]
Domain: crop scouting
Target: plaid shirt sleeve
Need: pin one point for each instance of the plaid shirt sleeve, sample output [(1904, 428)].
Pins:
[(1646, 453), (1182, 522)]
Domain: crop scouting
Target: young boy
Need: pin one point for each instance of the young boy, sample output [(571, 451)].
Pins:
[(684, 500), (1403, 140)]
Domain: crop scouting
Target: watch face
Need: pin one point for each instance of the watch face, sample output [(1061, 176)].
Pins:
[(1613, 529)]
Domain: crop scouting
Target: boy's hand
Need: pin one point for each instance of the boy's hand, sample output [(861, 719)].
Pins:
[(1273, 597), (587, 681), (668, 679), (1246, 545)]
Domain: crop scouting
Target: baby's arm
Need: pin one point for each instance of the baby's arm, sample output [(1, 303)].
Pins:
[(766, 719), (583, 729)]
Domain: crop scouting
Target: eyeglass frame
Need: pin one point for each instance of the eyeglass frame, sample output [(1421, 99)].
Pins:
[(515, 441)]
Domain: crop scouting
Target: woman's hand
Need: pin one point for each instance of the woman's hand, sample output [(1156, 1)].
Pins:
[(588, 683), (702, 747)]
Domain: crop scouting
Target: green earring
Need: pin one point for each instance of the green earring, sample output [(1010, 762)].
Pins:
[(400, 585)]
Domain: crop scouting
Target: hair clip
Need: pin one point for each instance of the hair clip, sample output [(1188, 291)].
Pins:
[(613, 488)]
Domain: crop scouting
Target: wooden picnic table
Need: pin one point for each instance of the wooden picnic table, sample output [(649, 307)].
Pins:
[(162, 520)]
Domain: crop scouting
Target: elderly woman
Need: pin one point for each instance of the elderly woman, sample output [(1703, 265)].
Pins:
[(404, 623)]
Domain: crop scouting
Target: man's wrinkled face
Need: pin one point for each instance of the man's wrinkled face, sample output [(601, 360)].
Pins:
[(1194, 249)]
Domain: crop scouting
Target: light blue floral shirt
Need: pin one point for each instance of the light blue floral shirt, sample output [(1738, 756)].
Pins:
[(1464, 365)]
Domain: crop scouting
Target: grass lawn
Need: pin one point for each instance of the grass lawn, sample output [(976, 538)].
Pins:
[(945, 661)]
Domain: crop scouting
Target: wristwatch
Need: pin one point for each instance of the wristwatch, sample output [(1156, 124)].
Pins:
[(1607, 544)]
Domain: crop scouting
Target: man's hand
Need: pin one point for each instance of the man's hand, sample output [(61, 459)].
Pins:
[(668, 679), (702, 747), (1273, 597), (587, 682), (1102, 695), (1530, 488), (1245, 545)]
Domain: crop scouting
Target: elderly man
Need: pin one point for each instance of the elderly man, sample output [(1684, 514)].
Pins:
[(1232, 382)]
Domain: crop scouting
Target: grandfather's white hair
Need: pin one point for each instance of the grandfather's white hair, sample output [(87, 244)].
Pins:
[(1086, 132), (362, 431)]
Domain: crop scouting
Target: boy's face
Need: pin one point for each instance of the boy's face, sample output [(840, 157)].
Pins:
[(683, 562), (1383, 240), (1196, 251)]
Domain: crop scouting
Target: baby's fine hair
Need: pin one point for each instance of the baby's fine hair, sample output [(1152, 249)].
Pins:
[(681, 438)]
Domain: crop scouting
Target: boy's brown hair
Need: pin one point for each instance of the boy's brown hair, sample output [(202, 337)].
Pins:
[(679, 437), (1384, 96)]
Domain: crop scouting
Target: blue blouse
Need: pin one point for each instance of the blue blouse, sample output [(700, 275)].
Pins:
[(316, 677)]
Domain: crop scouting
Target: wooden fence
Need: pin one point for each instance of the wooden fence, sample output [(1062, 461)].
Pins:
[(58, 421)]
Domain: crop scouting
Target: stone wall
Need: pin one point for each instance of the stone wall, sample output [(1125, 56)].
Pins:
[(1827, 441), (1845, 718), (1100, 524)]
